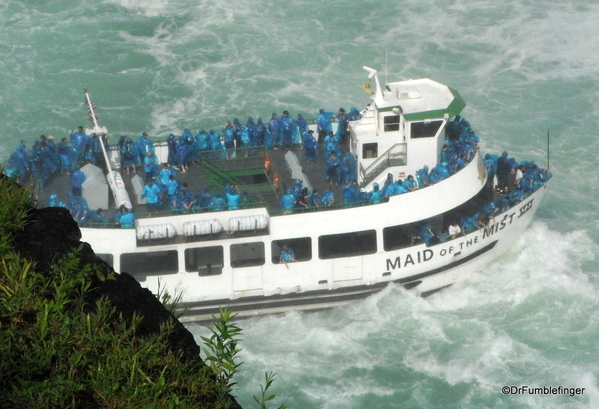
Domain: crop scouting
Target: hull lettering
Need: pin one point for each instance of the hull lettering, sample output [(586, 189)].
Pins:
[(409, 260)]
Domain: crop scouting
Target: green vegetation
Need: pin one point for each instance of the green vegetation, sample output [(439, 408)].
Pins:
[(58, 351)]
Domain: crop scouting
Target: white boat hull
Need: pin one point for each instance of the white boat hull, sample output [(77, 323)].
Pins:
[(318, 283)]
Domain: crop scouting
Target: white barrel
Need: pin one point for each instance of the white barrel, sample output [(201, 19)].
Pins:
[(245, 223), (156, 232), (202, 227), (119, 192)]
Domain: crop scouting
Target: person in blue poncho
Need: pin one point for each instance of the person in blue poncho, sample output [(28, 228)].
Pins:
[(21, 160), (286, 127), (316, 200), (237, 126), (260, 131), (10, 170), (354, 114), (218, 203), (490, 209), (422, 177), (183, 149), (95, 149), (229, 134), (342, 131), (246, 200), (350, 191), (309, 146), (97, 217), (202, 141), (349, 167), (63, 153), (426, 234), (297, 189), (328, 198), (204, 198), (288, 200), (410, 183), (441, 171), (172, 187), (274, 127), (215, 143), (376, 196), (323, 124), (77, 179), (53, 201), (233, 197), (302, 125), (185, 197), (287, 255), (333, 169), (388, 190), (78, 142), (516, 196), (151, 193), (127, 151), (251, 128), (398, 187), (126, 218), (53, 152), (165, 174), (171, 143), (244, 137), (150, 166), (78, 208), (190, 141), (503, 170), (145, 144)]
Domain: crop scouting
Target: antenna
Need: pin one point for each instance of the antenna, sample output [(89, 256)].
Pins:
[(386, 67), (547, 150)]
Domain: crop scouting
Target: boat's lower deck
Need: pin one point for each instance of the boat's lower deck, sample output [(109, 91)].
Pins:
[(263, 175)]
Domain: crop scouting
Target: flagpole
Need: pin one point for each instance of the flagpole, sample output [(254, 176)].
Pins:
[(93, 118), (114, 178)]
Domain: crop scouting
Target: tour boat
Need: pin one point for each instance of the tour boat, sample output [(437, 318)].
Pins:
[(214, 256)]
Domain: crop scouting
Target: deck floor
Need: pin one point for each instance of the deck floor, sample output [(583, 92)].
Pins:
[(248, 173)]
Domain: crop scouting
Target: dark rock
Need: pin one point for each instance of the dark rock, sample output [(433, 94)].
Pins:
[(51, 233)]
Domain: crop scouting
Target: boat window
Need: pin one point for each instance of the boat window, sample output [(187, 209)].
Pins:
[(370, 150), (108, 258), (391, 123), (150, 263), (206, 261), (397, 237), (426, 129), (247, 254), (302, 248), (347, 244)]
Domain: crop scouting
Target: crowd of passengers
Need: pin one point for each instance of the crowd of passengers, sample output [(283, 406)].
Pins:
[(47, 157), (515, 181), (164, 191)]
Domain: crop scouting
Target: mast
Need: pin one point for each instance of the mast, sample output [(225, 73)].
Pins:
[(114, 178), (97, 130)]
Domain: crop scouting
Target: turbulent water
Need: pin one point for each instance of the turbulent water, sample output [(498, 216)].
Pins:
[(524, 68)]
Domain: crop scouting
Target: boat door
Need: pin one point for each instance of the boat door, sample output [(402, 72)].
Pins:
[(347, 268), (247, 260)]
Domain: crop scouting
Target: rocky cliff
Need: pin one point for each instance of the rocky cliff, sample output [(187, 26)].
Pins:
[(51, 233)]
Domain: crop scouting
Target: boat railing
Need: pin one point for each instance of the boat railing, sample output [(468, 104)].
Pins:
[(395, 156), (173, 212)]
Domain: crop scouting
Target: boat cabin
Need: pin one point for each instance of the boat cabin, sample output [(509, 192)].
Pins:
[(403, 127)]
